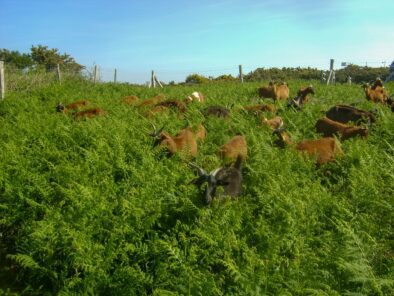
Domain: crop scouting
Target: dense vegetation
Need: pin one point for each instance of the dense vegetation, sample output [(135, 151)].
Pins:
[(40, 57), (89, 207), (357, 73)]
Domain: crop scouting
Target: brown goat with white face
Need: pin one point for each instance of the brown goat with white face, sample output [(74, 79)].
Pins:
[(184, 142), (324, 149), (345, 113), (235, 147), (329, 127)]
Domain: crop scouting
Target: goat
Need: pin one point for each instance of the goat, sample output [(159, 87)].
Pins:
[(328, 128), (152, 101), (130, 100), (180, 106), (267, 91), (345, 113), (274, 123), (235, 147), (275, 91), (195, 97), (261, 108), (89, 113), (184, 141), (73, 106), (229, 177), (201, 132), (218, 111), (325, 149), (376, 95), (302, 97), (377, 83), (155, 110)]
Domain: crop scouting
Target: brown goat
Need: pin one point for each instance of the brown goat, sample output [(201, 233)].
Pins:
[(274, 91), (73, 106), (156, 110), (130, 100), (152, 101), (89, 113), (328, 128), (236, 146), (324, 149), (180, 106), (274, 123), (301, 98), (218, 111), (184, 142), (261, 108), (201, 132), (377, 95), (377, 83), (345, 113)]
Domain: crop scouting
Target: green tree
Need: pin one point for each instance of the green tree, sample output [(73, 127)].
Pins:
[(196, 78), (16, 59), (49, 58)]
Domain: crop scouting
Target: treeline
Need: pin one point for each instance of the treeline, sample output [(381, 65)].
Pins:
[(40, 57), (357, 73)]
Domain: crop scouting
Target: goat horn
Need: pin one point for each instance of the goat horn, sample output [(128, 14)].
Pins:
[(201, 171)]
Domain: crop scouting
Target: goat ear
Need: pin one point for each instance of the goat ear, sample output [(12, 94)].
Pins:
[(200, 171)]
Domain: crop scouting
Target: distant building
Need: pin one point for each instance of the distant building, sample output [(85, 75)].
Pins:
[(391, 75)]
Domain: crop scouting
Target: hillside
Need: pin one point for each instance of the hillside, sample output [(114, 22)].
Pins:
[(89, 207)]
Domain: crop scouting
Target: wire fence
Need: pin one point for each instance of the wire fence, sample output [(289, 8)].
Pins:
[(17, 79)]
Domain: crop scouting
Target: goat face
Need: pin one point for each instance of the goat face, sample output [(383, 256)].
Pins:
[(60, 107), (229, 177)]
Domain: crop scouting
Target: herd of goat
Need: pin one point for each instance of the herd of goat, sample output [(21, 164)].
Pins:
[(229, 177)]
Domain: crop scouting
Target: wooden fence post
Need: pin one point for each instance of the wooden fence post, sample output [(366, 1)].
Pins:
[(241, 75), (115, 74), (95, 74), (58, 72), (331, 76), (157, 81), (2, 85), (152, 79)]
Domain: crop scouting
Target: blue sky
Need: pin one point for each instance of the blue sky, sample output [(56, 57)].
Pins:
[(176, 38)]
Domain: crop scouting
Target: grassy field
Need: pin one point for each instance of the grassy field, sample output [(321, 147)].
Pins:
[(89, 207)]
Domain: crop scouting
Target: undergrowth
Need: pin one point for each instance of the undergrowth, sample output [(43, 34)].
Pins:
[(89, 207)]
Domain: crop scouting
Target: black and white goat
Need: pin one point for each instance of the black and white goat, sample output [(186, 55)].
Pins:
[(229, 177)]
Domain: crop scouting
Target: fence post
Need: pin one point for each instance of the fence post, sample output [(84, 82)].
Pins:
[(241, 75), (58, 72), (115, 74), (157, 81), (331, 76), (95, 74), (2, 85), (152, 79)]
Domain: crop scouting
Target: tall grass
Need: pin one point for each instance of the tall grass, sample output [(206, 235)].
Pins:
[(89, 207)]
